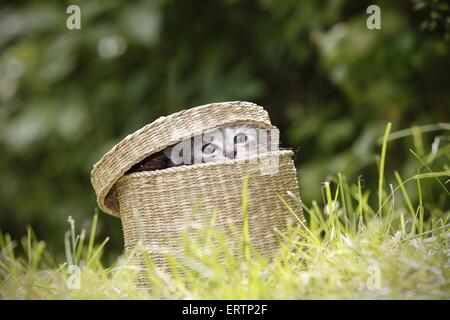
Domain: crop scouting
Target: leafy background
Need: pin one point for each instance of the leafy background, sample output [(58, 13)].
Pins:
[(328, 82)]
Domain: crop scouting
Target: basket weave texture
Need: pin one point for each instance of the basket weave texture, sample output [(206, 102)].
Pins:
[(162, 133), (157, 207)]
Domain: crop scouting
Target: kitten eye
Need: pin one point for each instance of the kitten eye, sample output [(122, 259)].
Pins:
[(209, 149), (240, 138)]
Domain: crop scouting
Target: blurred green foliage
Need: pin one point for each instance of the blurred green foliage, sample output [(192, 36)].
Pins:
[(329, 83)]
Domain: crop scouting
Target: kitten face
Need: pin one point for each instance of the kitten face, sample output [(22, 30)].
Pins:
[(234, 142)]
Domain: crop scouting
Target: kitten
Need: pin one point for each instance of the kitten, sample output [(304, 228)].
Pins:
[(234, 142)]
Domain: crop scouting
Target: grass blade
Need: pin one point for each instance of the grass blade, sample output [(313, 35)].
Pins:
[(382, 162)]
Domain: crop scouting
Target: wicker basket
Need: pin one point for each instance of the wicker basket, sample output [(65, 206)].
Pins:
[(156, 206)]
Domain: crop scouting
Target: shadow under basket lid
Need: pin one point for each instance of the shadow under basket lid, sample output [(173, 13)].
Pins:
[(162, 133)]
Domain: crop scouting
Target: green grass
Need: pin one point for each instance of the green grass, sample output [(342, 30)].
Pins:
[(349, 249)]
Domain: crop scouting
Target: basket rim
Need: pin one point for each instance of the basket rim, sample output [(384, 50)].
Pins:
[(138, 145)]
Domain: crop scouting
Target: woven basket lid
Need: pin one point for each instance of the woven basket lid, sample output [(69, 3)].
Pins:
[(164, 132)]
